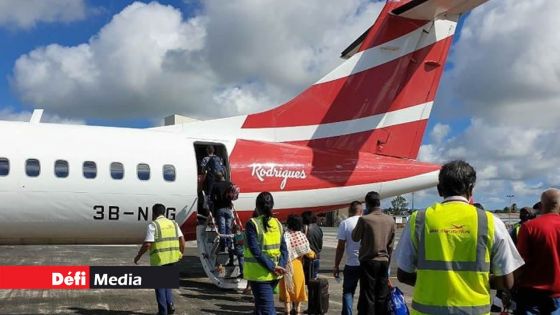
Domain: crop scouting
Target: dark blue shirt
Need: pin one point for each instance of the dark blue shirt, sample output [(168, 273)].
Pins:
[(252, 242)]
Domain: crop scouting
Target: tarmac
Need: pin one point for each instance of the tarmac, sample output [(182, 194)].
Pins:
[(195, 296)]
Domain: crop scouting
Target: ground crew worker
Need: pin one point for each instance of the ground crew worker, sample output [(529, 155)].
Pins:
[(265, 254), (525, 214), (166, 244), (449, 251)]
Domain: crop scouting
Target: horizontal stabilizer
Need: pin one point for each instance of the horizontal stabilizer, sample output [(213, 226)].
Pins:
[(430, 9), (178, 120)]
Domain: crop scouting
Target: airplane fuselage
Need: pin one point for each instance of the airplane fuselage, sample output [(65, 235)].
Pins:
[(85, 203)]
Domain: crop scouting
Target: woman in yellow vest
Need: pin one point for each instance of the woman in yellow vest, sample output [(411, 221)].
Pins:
[(265, 254)]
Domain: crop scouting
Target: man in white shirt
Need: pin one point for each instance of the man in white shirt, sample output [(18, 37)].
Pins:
[(352, 249)]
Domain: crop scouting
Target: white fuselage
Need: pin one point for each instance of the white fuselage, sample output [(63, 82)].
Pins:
[(49, 209)]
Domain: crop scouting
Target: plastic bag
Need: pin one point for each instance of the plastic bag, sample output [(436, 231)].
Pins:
[(397, 302)]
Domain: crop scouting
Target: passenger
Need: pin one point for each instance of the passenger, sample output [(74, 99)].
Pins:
[(352, 249), (448, 251), (525, 214), (223, 210), (376, 233), (238, 244), (265, 254), (202, 203), (538, 243), (537, 207), (314, 235), (292, 285), (211, 167), (166, 244)]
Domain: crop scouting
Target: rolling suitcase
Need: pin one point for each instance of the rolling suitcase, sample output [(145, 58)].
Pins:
[(318, 290)]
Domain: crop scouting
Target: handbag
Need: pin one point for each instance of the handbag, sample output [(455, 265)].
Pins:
[(397, 303)]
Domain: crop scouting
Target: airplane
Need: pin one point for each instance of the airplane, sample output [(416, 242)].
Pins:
[(357, 129)]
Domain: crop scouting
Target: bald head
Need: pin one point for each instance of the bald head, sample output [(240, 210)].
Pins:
[(550, 200)]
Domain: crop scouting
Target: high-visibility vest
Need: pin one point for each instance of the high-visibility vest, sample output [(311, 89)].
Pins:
[(269, 242), (165, 248), (516, 228), (453, 242)]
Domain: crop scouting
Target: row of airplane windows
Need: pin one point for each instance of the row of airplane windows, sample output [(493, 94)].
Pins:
[(89, 169)]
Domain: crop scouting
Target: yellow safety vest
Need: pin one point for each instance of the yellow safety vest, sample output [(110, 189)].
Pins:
[(453, 242), (165, 248), (269, 241), (516, 228)]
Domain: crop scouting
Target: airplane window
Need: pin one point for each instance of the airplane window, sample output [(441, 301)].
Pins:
[(61, 168), (4, 167), (169, 173), (32, 167), (143, 171), (90, 169), (117, 170)]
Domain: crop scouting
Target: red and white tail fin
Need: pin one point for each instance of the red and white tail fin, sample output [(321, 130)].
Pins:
[(379, 100)]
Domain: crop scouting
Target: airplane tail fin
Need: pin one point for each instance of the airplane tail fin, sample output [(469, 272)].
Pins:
[(380, 98)]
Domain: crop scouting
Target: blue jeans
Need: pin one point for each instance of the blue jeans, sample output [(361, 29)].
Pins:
[(263, 292), (164, 298), (225, 218), (531, 302), (349, 284)]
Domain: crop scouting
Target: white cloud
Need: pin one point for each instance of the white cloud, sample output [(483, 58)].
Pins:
[(440, 132), (506, 65), (505, 78), (27, 13), (234, 57)]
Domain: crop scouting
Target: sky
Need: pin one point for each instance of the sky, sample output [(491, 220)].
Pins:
[(125, 63)]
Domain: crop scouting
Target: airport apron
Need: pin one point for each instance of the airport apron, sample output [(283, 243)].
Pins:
[(270, 241), (165, 248), (453, 242)]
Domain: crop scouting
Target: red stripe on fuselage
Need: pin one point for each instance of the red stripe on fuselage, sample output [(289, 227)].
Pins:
[(261, 166), (402, 140), (401, 83)]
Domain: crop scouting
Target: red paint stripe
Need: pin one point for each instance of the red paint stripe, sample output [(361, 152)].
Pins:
[(323, 168), (388, 27), (402, 140), (398, 84)]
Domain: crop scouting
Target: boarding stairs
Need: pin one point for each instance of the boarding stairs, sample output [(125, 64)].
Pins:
[(215, 263)]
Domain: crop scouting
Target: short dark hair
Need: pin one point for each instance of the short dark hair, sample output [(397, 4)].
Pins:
[(537, 206), (210, 149), (294, 223), (456, 178), (373, 200), (158, 209), (353, 209), (307, 217)]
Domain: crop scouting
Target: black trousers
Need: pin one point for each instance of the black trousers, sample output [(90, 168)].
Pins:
[(374, 288)]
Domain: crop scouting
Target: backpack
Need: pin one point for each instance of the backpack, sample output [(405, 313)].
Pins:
[(232, 192), (214, 166)]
